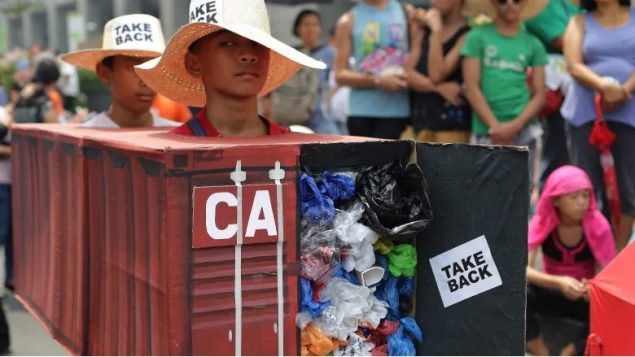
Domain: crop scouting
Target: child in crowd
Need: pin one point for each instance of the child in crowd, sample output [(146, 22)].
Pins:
[(496, 60), (576, 240), (439, 111), (222, 61), (128, 40)]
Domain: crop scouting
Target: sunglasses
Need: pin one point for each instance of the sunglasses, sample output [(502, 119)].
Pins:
[(503, 2)]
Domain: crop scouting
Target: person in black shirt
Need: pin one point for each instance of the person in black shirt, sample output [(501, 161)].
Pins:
[(439, 111)]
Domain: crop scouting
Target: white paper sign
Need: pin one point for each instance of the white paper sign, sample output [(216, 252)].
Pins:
[(465, 271)]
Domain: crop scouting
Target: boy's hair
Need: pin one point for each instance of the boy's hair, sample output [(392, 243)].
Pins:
[(590, 5), (194, 47), (301, 16), (109, 62)]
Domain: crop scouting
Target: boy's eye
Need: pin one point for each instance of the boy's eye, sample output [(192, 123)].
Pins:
[(227, 43)]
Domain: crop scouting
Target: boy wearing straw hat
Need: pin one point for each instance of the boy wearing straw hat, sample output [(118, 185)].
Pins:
[(128, 40), (496, 60), (222, 61)]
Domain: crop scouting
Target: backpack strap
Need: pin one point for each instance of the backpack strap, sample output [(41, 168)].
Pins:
[(196, 128)]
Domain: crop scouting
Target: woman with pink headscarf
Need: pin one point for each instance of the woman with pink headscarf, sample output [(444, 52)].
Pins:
[(576, 240)]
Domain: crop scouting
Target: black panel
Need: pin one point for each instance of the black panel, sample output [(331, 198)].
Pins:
[(475, 191), (352, 156)]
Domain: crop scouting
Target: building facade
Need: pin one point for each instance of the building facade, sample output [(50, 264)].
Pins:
[(67, 25)]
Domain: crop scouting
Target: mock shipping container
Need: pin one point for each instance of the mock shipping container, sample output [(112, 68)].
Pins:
[(156, 283)]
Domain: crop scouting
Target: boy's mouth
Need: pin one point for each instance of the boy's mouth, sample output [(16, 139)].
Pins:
[(145, 97), (248, 75)]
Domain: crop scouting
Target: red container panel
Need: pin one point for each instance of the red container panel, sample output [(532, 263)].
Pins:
[(49, 234)]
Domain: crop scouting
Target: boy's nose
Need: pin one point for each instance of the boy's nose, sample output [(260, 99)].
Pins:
[(248, 57)]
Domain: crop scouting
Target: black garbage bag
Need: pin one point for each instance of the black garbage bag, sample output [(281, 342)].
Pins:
[(396, 199)]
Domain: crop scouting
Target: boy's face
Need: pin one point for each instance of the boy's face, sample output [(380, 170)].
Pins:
[(127, 88), (229, 64), (509, 10), (573, 205)]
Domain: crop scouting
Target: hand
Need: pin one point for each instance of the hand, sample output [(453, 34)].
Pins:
[(433, 20), (420, 16), (392, 82), (614, 96), (504, 133), (451, 91), (571, 288)]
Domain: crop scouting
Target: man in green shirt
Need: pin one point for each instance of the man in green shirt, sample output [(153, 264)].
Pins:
[(496, 60), (549, 26)]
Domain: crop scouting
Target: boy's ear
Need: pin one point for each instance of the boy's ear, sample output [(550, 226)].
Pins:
[(103, 72), (192, 65)]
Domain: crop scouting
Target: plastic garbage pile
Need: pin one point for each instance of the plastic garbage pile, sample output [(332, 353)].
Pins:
[(358, 267)]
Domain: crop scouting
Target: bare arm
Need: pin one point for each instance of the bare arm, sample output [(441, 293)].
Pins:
[(571, 288), (574, 57), (538, 278), (442, 66), (416, 80), (472, 78), (629, 85), (537, 100), (343, 48)]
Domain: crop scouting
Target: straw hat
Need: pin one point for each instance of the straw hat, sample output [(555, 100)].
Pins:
[(476, 7), (248, 18), (136, 35)]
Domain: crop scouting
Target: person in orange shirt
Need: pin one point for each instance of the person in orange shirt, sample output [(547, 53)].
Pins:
[(169, 109)]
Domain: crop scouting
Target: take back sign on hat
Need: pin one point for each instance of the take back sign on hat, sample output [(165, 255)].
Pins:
[(136, 35), (248, 18)]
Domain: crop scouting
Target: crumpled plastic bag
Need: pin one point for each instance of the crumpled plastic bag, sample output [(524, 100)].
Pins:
[(313, 237), (401, 343), (315, 208), (346, 226), (317, 266), (308, 304), (402, 260), (396, 199), (314, 342), (338, 186), (361, 257), (351, 306), (357, 346), (361, 238), (384, 246)]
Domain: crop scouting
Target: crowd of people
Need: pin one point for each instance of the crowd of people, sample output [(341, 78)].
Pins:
[(535, 73)]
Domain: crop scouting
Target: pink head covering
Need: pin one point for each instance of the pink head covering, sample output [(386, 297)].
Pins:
[(597, 230)]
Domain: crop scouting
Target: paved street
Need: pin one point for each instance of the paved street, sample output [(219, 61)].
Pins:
[(28, 337)]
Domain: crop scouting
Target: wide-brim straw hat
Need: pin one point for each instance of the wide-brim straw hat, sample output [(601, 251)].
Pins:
[(136, 35), (531, 8), (248, 18)]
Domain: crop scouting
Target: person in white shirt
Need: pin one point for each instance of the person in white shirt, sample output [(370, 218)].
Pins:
[(129, 40)]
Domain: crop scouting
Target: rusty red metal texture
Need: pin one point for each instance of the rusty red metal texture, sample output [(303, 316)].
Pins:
[(49, 232), (121, 260)]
